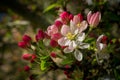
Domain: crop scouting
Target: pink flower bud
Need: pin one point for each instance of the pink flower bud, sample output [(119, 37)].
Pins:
[(94, 19), (33, 58), (71, 17), (26, 38), (53, 54), (22, 44), (40, 35), (26, 68), (80, 17), (65, 17), (58, 24), (53, 43), (26, 56), (56, 36)]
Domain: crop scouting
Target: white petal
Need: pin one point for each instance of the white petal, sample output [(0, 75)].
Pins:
[(67, 43), (102, 46), (83, 45), (72, 45), (78, 55), (65, 29), (67, 50), (72, 26), (81, 37), (99, 39), (83, 26), (99, 45), (62, 41)]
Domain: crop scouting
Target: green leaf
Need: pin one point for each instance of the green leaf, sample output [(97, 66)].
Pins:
[(43, 65), (67, 61), (51, 7), (89, 40), (44, 57)]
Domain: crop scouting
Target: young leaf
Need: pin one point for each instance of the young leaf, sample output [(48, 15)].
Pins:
[(51, 7), (43, 65)]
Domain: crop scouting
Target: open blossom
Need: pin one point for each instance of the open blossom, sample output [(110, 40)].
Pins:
[(79, 23), (73, 39), (101, 49), (52, 30), (93, 19)]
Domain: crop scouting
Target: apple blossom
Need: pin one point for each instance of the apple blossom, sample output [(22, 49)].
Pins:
[(73, 38), (101, 50)]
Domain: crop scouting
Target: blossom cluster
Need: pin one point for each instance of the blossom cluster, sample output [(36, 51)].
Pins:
[(67, 42)]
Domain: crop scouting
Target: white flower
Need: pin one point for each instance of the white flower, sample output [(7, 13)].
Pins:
[(101, 50), (73, 38)]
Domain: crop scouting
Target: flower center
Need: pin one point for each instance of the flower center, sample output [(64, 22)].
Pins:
[(70, 36), (78, 24)]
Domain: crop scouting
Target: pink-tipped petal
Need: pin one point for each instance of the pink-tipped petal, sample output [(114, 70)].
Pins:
[(89, 16), (76, 19), (62, 41), (65, 29), (83, 26), (91, 19), (96, 19)]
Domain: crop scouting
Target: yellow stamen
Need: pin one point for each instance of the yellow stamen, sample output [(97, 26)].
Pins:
[(70, 36), (78, 24)]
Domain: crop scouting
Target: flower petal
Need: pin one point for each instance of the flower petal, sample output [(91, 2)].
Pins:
[(65, 29), (72, 45), (67, 42), (83, 45), (83, 26), (81, 37), (98, 45), (101, 46), (78, 55), (72, 26), (62, 41), (68, 50), (89, 16)]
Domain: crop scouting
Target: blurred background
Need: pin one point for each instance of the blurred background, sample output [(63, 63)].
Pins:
[(19, 17)]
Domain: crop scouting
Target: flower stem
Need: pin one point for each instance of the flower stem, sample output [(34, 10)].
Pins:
[(90, 29)]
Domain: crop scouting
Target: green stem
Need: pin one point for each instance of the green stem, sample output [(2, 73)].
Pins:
[(90, 29)]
